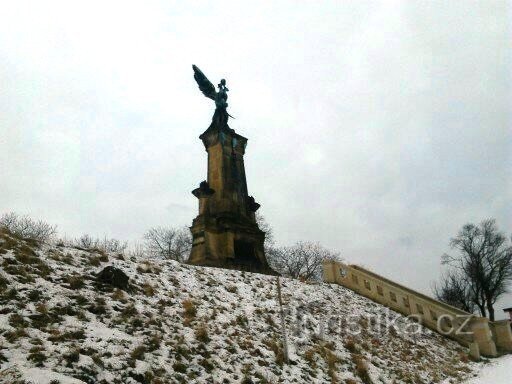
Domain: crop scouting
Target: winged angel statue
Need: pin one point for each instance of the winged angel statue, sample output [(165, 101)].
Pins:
[(220, 97)]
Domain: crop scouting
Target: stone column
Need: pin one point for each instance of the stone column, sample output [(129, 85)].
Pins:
[(503, 334), (482, 335)]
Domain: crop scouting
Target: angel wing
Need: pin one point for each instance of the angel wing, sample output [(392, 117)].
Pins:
[(204, 84)]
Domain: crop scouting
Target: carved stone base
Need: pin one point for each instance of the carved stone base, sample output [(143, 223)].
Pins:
[(228, 243)]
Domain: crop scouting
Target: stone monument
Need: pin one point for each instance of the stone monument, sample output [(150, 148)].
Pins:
[(225, 233)]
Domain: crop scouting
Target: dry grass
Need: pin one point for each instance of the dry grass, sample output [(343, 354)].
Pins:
[(201, 333), (350, 345), (190, 311), (361, 368), (118, 295), (325, 351), (148, 289), (232, 289), (148, 267), (75, 282), (275, 347)]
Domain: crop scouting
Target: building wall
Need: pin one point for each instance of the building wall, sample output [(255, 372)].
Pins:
[(478, 333)]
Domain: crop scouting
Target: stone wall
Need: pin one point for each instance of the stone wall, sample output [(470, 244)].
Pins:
[(478, 333)]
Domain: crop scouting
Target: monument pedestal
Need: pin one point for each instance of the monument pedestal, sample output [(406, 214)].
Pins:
[(225, 233)]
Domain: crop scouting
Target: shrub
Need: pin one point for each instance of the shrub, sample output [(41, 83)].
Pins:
[(137, 354), (242, 320), (361, 368), (80, 300), (98, 307), (96, 358), (148, 289), (3, 283), (35, 295), (95, 261), (153, 343), (331, 359), (119, 295), (207, 365), (190, 310), (75, 282), (276, 348), (57, 337), (12, 336), (17, 321), (129, 311), (201, 333), (102, 246), (232, 289), (37, 356), (26, 228), (350, 345), (72, 356), (179, 367), (309, 356), (42, 308)]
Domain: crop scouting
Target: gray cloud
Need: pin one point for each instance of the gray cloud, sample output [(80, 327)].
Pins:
[(376, 128)]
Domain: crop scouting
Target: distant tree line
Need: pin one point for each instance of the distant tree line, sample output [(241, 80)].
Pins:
[(477, 275), (303, 260)]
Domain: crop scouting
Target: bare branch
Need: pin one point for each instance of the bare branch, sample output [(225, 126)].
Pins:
[(168, 243), (25, 227)]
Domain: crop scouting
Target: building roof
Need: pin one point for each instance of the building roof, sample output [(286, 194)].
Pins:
[(507, 309)]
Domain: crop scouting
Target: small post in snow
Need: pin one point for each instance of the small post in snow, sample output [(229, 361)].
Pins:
[(283, 324)]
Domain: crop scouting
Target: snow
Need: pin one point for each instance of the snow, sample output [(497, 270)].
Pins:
[(497, 371), (95, 334), (44, 376)]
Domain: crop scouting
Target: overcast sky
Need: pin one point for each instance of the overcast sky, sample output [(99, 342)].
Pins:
[(375, 128)]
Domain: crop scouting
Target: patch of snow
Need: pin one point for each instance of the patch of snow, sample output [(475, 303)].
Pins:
[(497, 371), (45, 376)]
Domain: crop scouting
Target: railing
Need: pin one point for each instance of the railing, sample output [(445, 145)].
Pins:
[(477, 333)]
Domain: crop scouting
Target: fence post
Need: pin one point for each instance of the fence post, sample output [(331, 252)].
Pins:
[(283, 324)]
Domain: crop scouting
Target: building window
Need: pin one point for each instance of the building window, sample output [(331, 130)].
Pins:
[(343, 272), (433, 315), (367, 285), (354, 279), (406, 302), (392, 296), (420, 309), (380, 291)]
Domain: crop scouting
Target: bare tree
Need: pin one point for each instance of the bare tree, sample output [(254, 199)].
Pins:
[(137, 250), (106, 245), (272, 252), (303, 260), (25, 227), (86, 242), (455, 290), (269, 232), (485, 262), (169, 243), (112, 245)]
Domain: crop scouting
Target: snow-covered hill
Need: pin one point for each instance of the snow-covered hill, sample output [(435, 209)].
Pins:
[(183, 324)]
